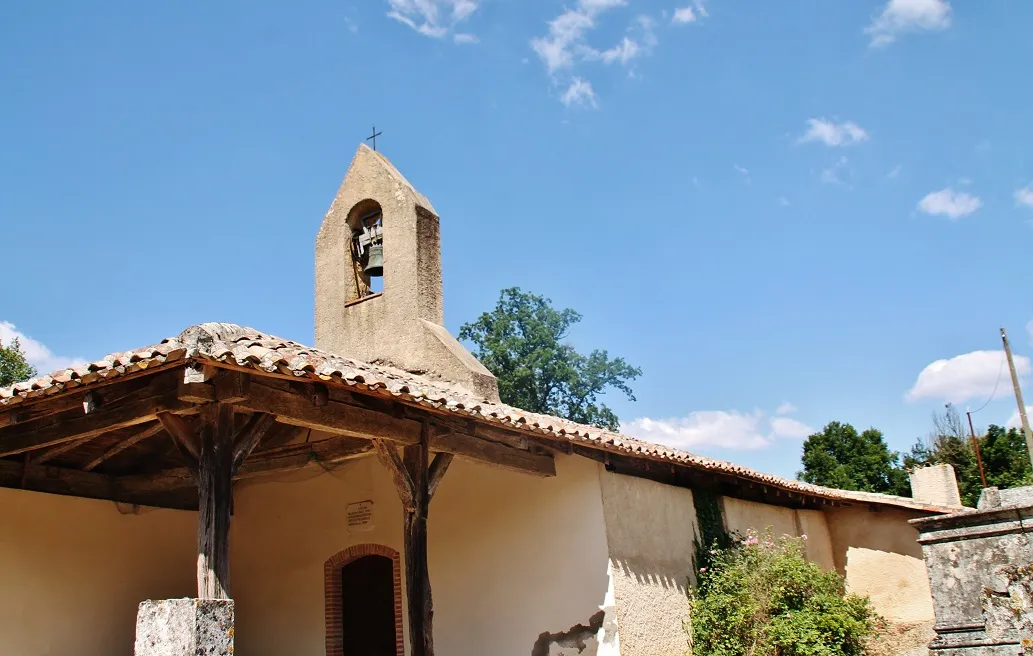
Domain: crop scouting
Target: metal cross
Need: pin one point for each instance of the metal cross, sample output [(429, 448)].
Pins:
[(374, 137)]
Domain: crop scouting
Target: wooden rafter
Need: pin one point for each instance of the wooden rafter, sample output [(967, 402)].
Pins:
[(122, 445), (53, 431)]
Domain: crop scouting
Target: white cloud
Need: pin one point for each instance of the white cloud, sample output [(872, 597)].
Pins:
[(566, 44), (902, 16), (829, 133), (786, 408), (895, 172), (579, 93), (950, 203), (623, 52), (37, 354), (1024, 196), (1015, 421), (689, 13), (972, 375), (833, 174), (434, 18), (745, 172), (717, 428), (783, 201)]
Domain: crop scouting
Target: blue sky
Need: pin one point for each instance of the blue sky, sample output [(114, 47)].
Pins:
[(785, 213)]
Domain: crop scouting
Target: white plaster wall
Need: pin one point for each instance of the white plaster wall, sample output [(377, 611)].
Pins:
[(649, 528), (74, 570), (510, 555)]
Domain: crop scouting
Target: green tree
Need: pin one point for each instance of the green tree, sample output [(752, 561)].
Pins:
[(1003, 451), (13, 366), (521, 342), (840, 457)]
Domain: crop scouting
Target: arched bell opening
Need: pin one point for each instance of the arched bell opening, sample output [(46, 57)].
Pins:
[(366, 221)]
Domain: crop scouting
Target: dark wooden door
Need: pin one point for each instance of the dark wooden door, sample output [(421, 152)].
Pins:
[(368, 606)]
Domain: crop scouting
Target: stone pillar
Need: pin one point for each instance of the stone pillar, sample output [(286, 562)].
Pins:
[(936, 485), (980, 565), (185, 627)]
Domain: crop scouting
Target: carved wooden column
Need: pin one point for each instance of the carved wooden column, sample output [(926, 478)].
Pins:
[(416, 481)]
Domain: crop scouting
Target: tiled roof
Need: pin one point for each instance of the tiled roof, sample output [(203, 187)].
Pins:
[(245, 347)]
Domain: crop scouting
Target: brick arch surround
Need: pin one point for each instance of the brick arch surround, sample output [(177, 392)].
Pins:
[(332, 594)]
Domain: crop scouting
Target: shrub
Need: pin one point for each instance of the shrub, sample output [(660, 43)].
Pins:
[(762, 597)]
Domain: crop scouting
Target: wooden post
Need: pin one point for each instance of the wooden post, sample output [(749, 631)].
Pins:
[(214, 491), (213, 456), (416, 479)]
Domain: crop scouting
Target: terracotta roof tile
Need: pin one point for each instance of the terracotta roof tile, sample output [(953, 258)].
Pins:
[(245, 347)]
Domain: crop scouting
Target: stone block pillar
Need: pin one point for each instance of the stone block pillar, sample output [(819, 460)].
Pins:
[(980, 566), (936, 484), (185, 627)]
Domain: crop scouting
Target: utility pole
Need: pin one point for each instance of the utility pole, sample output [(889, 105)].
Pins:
[(975, 446), (1018, 395)]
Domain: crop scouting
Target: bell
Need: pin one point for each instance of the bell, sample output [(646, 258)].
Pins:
[(375, 262)]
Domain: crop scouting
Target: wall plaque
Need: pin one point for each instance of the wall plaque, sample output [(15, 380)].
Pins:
[(360, 516)]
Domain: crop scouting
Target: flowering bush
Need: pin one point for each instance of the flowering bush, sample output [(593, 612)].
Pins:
[(762, 597)]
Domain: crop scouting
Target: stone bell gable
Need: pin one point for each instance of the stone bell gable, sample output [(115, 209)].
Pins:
[(402, 325)]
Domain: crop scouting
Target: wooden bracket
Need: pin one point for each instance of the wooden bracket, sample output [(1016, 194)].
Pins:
[(389, 457), (184, 437), (437, 471), (250, 436)]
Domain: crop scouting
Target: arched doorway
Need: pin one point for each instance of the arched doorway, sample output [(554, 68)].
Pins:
[(363, 602)]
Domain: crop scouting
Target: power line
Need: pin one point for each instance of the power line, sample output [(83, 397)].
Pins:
[(1000, 370)]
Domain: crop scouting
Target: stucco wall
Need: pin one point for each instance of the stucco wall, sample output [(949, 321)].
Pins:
[(649, 529), (879, 554), (742, 516), (511, 556), (74, 571)]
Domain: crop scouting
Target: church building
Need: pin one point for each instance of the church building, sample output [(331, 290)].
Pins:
[(227, 491)]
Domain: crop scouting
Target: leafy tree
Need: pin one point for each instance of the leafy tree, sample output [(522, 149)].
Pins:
[(1003, 451), (762, 597), (840, 457), (521, 342), (13, 366)]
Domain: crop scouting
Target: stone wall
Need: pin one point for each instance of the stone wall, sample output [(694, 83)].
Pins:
[(980, 566)]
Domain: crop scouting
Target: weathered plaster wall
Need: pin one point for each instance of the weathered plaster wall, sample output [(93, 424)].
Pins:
[(511, 556), (879, 554), (743, 516), (649, 528), (74, 571)]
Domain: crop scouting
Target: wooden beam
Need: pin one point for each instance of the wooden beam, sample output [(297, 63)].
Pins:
[(281, 459), (492, 453), (388, 456), (334, 417), (183, 436), (437, 472), (149, 431), (88, 485), (214, 489), (250, 436), (54, 452), (45, 433)]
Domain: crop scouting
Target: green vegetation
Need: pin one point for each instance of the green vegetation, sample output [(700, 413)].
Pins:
[(13, 366), (1005, 457), (521, 342), (841, 457), (762, 597)]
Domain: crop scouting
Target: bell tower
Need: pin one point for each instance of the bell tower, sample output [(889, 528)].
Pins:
[(380, 227)]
